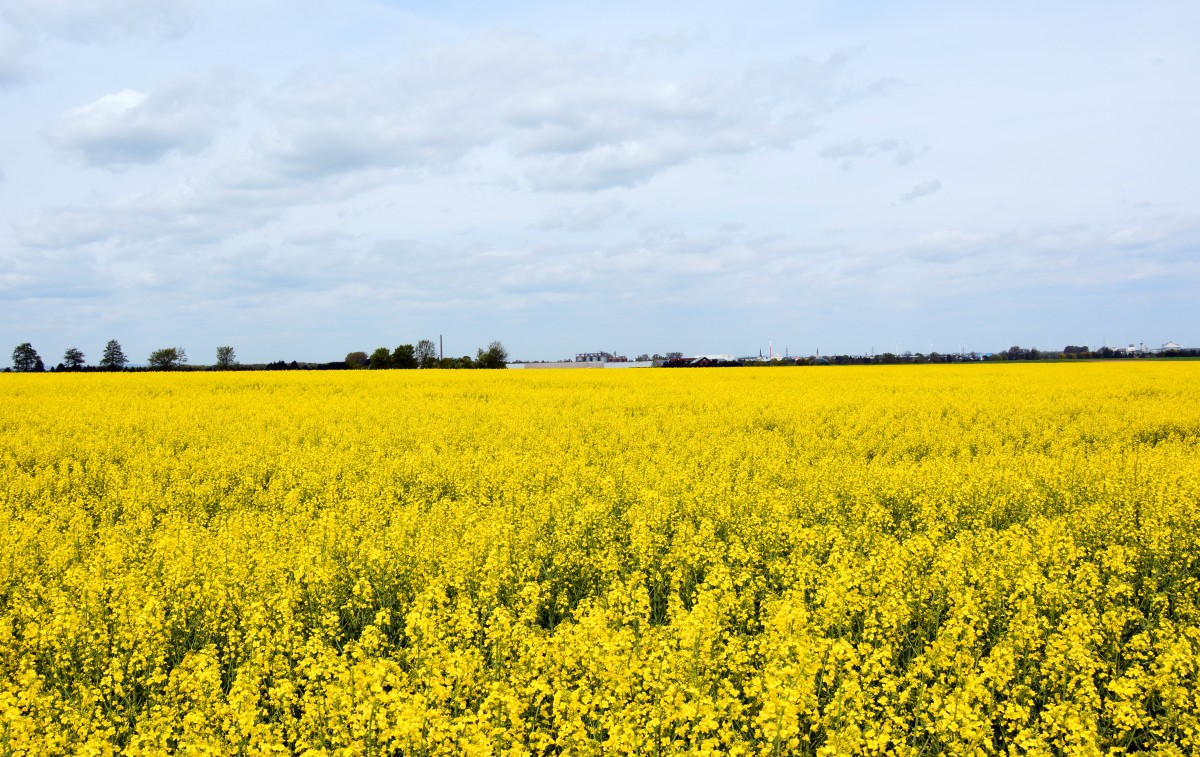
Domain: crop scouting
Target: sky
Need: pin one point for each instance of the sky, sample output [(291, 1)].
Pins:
[(300, 180)]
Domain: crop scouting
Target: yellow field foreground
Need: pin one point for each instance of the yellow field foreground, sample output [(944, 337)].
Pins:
[(908, 560)]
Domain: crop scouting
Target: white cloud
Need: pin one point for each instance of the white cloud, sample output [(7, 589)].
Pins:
[(130, 127), (99, 20), (924, 189)]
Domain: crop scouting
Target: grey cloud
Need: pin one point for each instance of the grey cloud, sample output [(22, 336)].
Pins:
[(223, 205), (581, 121), (13, 70), (1075, 255), (384, 274), (1137, 236), (904, 156), (318, 238), (923, 189), (606, 167), (669, 44), (656, 234), (586, 218), (209, 210), (129, 127), (425, 115), (603, 272), (185, 217), (842, 150), (310, 261), (35, 274), (902, 153), (326, 123), (672, 267), (640, 128), (104, 21), (571, 119)]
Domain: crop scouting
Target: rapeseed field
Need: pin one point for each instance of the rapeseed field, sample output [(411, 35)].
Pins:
[(913, 560)]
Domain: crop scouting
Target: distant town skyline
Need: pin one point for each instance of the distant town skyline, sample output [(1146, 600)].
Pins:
[(299, 180)]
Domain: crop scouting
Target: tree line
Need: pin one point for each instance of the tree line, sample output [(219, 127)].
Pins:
[(423, 354), (25, 359), (1070, 352)]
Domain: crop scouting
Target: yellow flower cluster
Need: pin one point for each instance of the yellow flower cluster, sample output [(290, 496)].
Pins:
[(914, 560)]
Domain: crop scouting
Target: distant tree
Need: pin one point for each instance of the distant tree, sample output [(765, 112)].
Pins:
[(426, 354), (381, 358), (72, 359), (674, 355), (495, 356), (166, 359), (26, 360), (642, 358), (356, 360), (226, 358), (114, 357), (405, 356), (1015, 353)]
